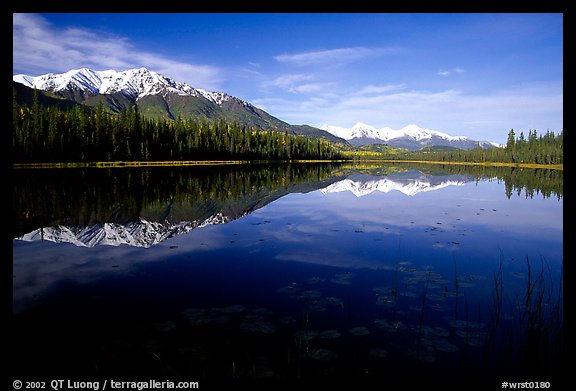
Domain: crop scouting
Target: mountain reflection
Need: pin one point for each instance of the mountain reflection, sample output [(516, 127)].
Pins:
[(409, 183), (145, 206)]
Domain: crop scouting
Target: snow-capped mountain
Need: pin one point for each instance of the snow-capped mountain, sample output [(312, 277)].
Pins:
[(412, 137), (134, 83), (410, 183), (158, 96)]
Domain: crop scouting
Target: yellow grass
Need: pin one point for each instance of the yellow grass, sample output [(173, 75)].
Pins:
[(229, 162), (158, 163), (493, 164), (125, 164)]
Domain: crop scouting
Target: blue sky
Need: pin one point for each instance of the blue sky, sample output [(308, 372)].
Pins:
[(477, 75)]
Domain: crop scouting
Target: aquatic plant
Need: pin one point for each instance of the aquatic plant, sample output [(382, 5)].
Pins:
[(530, 339), (359, 330)]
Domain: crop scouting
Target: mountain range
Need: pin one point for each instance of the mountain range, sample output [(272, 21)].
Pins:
[(158, 96), (411, 137)]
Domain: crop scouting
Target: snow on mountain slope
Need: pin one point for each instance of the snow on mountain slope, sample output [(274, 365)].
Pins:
[(135, 83), (362, 130), (411, 136)]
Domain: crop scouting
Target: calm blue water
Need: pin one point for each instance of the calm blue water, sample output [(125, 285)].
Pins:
[(339, 281)]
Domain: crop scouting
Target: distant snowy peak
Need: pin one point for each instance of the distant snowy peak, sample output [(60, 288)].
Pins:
[(134, 83), (419, 133), (411, 136), (362, 130)]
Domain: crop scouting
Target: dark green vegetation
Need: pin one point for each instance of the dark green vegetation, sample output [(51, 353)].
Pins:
[(532, 338), (537, 149), (439, 148), (172, 106), (368, 152), (52, 134)]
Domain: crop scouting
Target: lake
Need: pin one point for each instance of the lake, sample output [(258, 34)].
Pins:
[(289, 271)]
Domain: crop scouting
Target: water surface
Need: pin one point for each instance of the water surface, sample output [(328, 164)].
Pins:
[(288, 272)]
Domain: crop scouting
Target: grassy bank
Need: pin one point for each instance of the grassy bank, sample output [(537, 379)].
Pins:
[(228, 162), (159, 163), (492, 164)]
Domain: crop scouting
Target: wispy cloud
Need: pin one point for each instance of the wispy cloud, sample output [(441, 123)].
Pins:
[(39, 47), (338, 55), (287, 81), (298, 84), (308, 88), (379, 89), (448, 72)]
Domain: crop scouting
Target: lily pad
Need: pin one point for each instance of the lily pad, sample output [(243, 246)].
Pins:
[(323, 355), (342, 278), (258, 326), (310, 295), (287, 320), (314, 280), (379, 353), (231, 309), (329, 334), (291, 288), (386, 301), (306, 335), (444, 345), (390, 326), (359, 330)]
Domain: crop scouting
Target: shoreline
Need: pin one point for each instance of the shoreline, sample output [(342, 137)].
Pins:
[(174, 163)]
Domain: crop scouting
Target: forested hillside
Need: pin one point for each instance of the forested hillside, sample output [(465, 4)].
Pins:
[(48, 133)]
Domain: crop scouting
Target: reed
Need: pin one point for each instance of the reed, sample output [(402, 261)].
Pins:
[(529, 340)]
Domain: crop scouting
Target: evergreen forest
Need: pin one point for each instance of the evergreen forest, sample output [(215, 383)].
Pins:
[(79, 134), (535, 149)]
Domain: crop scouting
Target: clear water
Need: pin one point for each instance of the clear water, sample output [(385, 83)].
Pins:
[(429, 275)]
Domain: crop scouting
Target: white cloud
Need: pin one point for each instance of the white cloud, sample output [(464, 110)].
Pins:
[(379, 89), (334, 55), (287, 82), (308, 88), (299, 84), (39, 47), (452, 71)]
